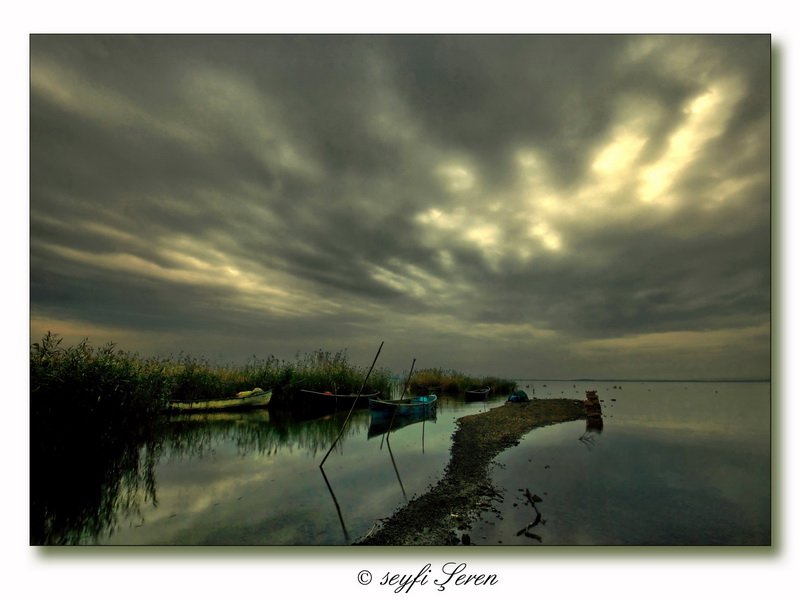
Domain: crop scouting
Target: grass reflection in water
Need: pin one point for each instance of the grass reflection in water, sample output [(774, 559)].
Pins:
[(84, 486)]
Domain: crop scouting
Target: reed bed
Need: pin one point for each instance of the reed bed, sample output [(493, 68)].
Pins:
[(94, 383), (450, 382), (109, 382), (86, 383)]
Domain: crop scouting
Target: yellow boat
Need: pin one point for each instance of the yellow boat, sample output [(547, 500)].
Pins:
[(256, 398)]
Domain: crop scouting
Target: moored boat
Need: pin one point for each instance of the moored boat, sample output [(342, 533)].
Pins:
[(403, 407), (477, 394), (311, 403), (330, 396), (256, 398)]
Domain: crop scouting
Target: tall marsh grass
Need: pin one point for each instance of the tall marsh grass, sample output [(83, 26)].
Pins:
[(450, 382), (104, 382), (108, 382)]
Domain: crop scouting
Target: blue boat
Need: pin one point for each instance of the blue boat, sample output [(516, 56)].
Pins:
[(403, 407)]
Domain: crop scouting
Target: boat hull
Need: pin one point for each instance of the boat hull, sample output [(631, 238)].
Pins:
[(477, 395), (419, 405), (329, 397), (316, 404), (253, 401)]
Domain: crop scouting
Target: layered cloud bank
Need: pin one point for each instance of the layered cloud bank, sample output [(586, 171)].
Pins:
[(555, 206)]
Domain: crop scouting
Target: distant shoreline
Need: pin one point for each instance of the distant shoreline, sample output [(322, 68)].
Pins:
[(654, 380)]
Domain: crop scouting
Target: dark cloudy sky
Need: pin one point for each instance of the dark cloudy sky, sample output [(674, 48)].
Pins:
[(522, 206)]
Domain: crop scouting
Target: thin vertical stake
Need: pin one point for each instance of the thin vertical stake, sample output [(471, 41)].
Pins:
[(413, 362), (344, 425)]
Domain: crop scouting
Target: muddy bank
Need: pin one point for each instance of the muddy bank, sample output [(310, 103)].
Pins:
[(465, 491)]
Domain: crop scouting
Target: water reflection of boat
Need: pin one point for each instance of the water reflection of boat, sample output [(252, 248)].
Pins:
[(478, 394), (119, 473), (420, 404), (257, 398), (257, 414), (384, 422)]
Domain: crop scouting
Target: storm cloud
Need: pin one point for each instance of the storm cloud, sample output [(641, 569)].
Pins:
[(518, 205)]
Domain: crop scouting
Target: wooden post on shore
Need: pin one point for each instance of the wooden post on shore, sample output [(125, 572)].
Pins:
[(592, 404), (344, 425)]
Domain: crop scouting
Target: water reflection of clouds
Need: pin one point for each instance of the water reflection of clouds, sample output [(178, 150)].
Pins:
[(224, 494), (695, 445), (677, 463), (195, 493), (635, 490), (669, 427)]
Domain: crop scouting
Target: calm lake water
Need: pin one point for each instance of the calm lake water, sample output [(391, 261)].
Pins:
[(671, 464), (674, 464)]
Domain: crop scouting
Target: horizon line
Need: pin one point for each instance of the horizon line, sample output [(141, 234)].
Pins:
[(659, 380)]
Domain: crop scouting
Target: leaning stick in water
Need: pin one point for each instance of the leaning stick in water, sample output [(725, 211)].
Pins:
[(413, 362), (352, 407)]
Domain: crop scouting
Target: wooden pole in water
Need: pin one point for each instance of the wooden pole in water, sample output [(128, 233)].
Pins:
[(344, 425), (413, 362)]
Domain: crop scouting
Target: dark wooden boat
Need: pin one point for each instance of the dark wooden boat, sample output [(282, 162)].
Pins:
[(409, 406), (314, 404), (338, 397), (479, 394), (337, 400), (257, 398)]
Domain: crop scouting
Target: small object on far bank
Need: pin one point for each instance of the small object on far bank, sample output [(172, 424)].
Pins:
[(592, 404), (518, 396)]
